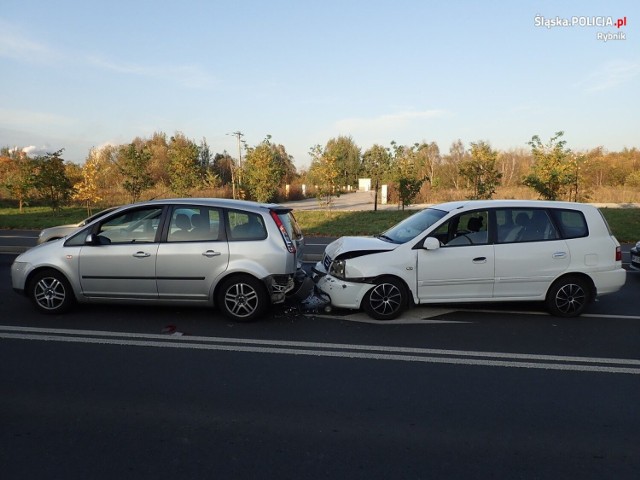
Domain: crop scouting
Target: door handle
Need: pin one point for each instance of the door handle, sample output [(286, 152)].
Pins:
[(141, 254), (480, 260), (211, 253), (559, 255)]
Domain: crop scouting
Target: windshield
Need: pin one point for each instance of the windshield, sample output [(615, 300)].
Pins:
[(411, 227)]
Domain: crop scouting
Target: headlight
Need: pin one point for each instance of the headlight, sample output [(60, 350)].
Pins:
[(337, 268)]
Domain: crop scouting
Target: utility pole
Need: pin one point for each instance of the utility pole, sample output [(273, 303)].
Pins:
[(238, 135)]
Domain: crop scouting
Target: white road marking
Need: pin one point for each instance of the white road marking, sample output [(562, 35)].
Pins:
[(419, 315), (336, 350), (422, 315), (547, 314)]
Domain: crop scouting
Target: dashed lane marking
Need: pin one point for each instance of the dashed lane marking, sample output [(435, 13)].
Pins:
[(332, 350)]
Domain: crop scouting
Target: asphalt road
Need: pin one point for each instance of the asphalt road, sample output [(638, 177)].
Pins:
[(149, 392)]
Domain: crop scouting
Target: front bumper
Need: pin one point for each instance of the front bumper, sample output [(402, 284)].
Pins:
[(343, 294), (19, 272), (635, 259)]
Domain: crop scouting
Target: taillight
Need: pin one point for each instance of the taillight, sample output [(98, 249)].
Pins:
[(618, 254), (285, 236)]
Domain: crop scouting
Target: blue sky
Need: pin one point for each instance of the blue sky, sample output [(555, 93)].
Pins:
[(82, 74)]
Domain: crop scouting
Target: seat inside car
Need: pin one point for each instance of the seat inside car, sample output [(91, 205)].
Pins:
[(251, 229), (474, 224), (538, 228)]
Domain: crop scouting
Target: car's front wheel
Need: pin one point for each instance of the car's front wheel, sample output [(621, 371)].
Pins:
[(50, 292), (242, 298), (568, 296), (386, 300)]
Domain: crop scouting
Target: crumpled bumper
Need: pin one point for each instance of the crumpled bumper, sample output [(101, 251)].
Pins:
[(342, 293)]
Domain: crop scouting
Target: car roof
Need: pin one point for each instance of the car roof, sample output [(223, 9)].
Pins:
[(476, 204), (214, 202)]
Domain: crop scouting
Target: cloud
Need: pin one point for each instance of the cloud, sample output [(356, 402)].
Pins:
[(611, 75), (15, 45), (387, 122), (34, 151), (14, 117), (187, 75)]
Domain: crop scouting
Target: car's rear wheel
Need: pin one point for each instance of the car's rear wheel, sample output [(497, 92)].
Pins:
[(243, 298), (50, 292), (569, 296), (386, 300)]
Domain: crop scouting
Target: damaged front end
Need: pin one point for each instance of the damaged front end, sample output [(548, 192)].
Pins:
[(339, 279), (328, 286)]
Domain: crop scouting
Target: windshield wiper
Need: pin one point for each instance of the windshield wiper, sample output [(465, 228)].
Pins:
[(382, 236)]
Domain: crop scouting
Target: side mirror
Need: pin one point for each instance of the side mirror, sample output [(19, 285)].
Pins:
[(431, 243)]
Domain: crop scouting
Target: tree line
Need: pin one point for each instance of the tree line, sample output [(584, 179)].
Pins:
[(163, 166)]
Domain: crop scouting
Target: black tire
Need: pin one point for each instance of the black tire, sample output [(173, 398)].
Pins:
[(243, 298), (386, 300), (50, 292), (569, 296)]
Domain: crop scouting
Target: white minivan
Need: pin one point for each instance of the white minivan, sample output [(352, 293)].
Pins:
[(561, 253)]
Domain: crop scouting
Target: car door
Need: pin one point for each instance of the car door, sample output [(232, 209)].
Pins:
[(120, 262), (529, 253), (194, 254), (463, 267)]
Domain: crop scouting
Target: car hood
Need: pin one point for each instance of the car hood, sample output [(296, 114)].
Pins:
[(358, 246), (62, 227), (31, 253)]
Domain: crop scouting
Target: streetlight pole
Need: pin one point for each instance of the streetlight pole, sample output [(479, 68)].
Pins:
[(238, 135)]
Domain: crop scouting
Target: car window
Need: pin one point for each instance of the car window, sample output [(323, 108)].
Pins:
[(524, 225), (95, 216), (246, 226), (572, 223), (194, 224), (471, 228), (131, 226)]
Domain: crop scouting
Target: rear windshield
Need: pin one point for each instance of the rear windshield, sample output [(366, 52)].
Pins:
[(605, 222), (290, 224)]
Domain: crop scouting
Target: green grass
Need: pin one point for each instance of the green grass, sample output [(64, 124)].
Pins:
[(337, 223), (37, 218), (624, 222)]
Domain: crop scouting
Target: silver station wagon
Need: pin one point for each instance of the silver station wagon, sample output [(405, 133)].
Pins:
[(240, 256), (560, 253)]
